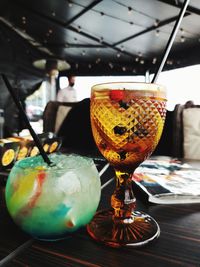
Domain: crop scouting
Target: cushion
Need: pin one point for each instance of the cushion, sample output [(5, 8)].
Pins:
[(60, 116), (191, 133)]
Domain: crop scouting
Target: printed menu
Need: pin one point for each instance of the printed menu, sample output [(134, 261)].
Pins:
[(168, 181)]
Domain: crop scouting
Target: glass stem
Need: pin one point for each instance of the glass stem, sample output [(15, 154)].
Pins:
[(123, 200)]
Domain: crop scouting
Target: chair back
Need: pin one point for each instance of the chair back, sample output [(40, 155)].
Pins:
[(54, 114), (186, 131)]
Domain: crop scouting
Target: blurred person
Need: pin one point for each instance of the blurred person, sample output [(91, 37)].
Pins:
[(68, 94)]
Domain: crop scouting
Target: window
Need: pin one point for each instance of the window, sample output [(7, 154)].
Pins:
[(182, 84)]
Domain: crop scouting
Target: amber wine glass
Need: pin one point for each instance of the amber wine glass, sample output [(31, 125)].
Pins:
[(127, 120)]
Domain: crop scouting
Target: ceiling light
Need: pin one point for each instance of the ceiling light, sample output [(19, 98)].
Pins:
[(156, 23), (110, 65), (154, 60), (182, 39), (157, 33), (130, 10), (98, 60), (101, 40), (70, 4), (79, 29)]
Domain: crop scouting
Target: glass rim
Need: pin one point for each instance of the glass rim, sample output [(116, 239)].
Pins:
[(22, 164), (129, 86)]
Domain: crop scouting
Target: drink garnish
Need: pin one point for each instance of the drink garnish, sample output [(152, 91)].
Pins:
[(116, 95)]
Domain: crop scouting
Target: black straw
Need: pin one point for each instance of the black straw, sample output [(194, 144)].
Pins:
[(22, 112), (170, 41)]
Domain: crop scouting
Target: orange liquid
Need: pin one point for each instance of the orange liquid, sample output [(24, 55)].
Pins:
[(127, 124)]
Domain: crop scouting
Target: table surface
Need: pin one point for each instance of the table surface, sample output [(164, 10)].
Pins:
[(178, 244)]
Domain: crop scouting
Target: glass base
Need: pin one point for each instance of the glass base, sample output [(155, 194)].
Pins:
[(137, 231)]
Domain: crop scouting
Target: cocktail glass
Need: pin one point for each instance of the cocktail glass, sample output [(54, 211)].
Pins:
[(127, 122), (50, 202)]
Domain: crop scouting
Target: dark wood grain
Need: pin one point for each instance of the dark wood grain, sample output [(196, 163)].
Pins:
[(11, 237), (178, 244)]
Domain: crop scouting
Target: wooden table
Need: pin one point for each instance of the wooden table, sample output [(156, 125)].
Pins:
[(178, 245)]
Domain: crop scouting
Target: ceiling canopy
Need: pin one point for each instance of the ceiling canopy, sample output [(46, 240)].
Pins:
[(96, 37)]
